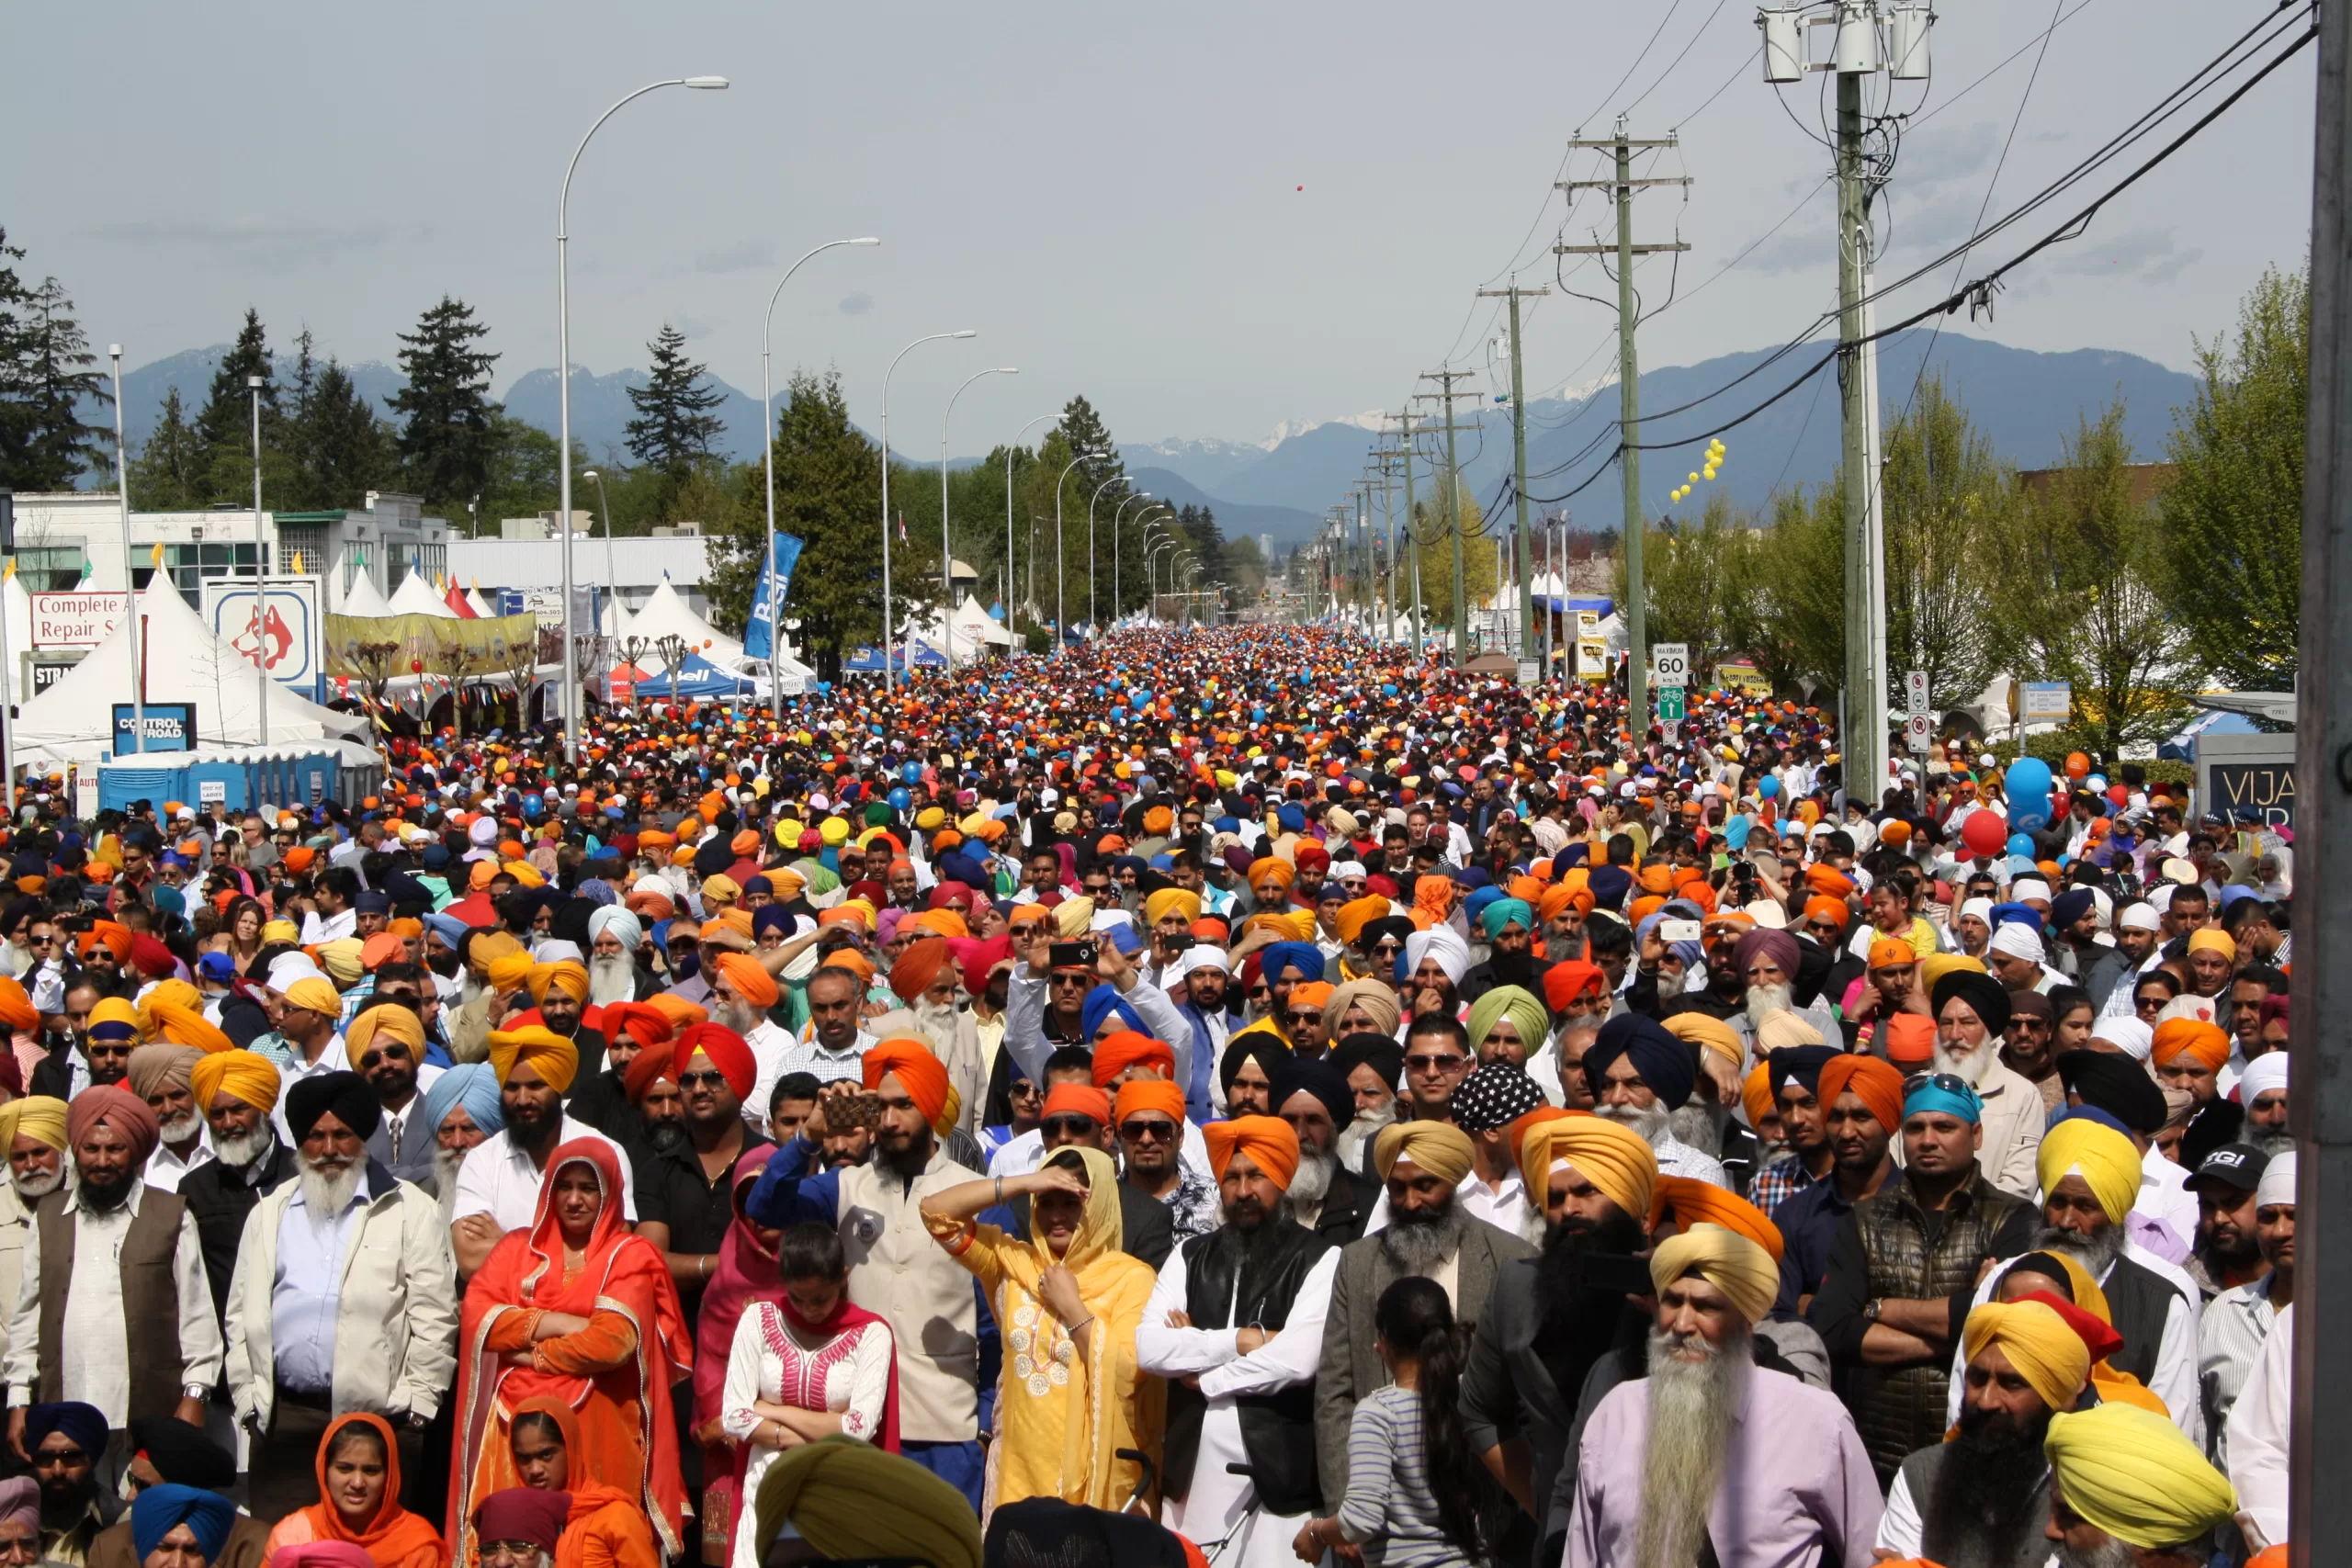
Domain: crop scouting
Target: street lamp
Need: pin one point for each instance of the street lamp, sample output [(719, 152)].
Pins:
[(887, 683), (1011, 457), (261, 573), (563, 388), (611, 573), (948, 556), (767, 470), (1107, 484), (1118, 512), (138, 693), (1150, 578), (1061, 570)]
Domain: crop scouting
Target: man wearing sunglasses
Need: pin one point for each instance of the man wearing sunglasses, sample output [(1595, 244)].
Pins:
[(1149, 1114), (1080, 1115)]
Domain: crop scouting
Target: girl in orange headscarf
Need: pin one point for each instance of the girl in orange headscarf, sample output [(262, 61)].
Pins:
[(606, 1526), (581, 1310), (359, 1499)]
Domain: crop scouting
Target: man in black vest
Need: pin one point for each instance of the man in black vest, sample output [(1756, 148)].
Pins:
[(1236, 1323)]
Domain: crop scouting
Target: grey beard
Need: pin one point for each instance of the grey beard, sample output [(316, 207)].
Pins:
[(1763, 1002), (741, 1017), (444, 1178), (239, 1153), (1971, 1067), (666, 1137), (2108, 1553), (2273, 1144), (937, 1024), (1695, 1124), (611, 980), (2094, 1252), (181, 1129), (1419, 1246), (326, 1196), (1692, 1404), (1560, 949), (1352, 1137), (1312, 1181), (1652, 1121), (32, 1188)]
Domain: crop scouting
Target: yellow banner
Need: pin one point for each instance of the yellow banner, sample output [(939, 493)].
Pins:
[(354, 644)]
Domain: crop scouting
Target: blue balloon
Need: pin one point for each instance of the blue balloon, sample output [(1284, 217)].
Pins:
[(912, 772), (1768, 789), (2020, 844), (2028, 786), (901, 800)]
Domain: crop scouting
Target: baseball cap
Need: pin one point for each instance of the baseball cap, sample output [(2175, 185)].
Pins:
[(2239, 1165)]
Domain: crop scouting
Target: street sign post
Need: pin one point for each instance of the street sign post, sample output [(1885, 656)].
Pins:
[(1670, 663), (1669, 704)]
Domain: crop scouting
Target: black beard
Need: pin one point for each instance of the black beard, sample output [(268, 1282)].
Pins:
[(1417, 1240), (2220, 1261), (665, 1136), (1579, 1323), (1511, 967), (96, 1194), (908, 1162), (1985, 1503)]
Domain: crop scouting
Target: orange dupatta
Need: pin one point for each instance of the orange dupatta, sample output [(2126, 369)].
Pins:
[(394, 1538)]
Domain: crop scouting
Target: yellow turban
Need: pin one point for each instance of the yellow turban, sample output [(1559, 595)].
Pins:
[(316, 995), (2131, 1473), (40, 1117), (2208, 940), (385, 1019), (1708, 1034), (1073, 918), (172, 1013), (548, 1054), (1358, 913), (566, 975), (1731, 1262), (1936, 966), (1610, 1155), (340, 959), (1171, 901), (2101, 1155), (719, 885), (511, 971), (827, 1490), (1438, 1147), (245, 1075), (523, 871), (279, 930), (2045, 1350)]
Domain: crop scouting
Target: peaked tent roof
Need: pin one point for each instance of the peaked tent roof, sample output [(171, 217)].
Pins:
[(362, 598), (414, 596), (480, 605), (666, 612), (20, 629), (185, 663)]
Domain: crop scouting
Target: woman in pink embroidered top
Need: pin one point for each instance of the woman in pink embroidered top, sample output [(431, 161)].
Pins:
[(806, 1367)]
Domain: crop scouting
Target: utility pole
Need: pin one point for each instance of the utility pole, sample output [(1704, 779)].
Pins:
[(1404, 434), (1519, 473), (1384, 466), (1629, 398), (1446, 378)]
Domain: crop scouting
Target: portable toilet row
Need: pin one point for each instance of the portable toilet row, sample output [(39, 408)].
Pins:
[(242, 777)]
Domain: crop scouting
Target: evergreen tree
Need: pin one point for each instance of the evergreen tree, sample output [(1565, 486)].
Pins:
[(46, 376), (168, 473), (1082, 430), (523, 470), (225, 423), (674, 427), (345, 449), (445, 441)]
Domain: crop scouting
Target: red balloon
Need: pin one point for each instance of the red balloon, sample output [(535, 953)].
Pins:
[(1984, 833), (2119, 793)]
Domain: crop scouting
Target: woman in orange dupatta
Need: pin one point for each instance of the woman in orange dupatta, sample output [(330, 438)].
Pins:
[(606, 1526), (359, 1500), (580, 1310)]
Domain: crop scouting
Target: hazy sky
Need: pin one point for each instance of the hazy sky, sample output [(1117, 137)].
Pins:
[(1110, 194)]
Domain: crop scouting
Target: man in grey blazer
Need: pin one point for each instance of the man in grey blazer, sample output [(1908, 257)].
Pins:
[(1427, 1235)]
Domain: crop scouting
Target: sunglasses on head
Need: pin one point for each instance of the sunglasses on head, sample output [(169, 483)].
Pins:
[(1947, 1082)]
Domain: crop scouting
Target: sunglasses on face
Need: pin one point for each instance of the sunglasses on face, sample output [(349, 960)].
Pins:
[(1068, 1126), (1136, 1131), (1445, 1063), (692, 1081)]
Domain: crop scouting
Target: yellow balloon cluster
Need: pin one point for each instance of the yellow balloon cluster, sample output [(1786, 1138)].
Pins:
[(1706, 470)]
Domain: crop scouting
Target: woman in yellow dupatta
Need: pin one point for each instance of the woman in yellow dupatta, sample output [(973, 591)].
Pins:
[(1069, 1303)]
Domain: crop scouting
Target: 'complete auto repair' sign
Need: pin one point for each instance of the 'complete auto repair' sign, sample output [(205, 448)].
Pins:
[(76, 620)]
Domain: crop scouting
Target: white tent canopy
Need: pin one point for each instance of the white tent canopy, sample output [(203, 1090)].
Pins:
[(414, 596), (71, 722), (362, 598), (20, 612), (666, 613), (479, 605), (976, 626)]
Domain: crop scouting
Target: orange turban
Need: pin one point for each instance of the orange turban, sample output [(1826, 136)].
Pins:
[(651, 1067), (1128, 1049), (1697, 1202), (919, 1073), (566, 975), (116, 939), (1268, 1142), (1829, 880), (1910, 1039), (1889, 952), (750, 980), (16, 1009), (1312, 993), (1756, 1093), (851, 960), (917, 967), (1821, 907), (1555, 900), (1876, 1084), (641, 1022), (2206, 1042), (677, 1009), (1273, 869), (1149, 1094), (1074, 1099), (381, 949), (1358, 913)]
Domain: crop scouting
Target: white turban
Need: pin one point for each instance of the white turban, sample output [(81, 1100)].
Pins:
[(1442, 943), (2136, 1039), (2278, 1183), (626, 929), (1198, 957), (555, 950), (1980, 908), (2138, 918), (2018, 941), (2265, 1073), (483, 832), (2028, 888), (290, 968)]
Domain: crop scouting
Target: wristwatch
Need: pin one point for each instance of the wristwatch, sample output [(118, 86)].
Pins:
[(1871, 1310)]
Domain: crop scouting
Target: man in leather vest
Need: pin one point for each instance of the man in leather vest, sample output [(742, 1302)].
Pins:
[(109, 1254), (1236, 1323)]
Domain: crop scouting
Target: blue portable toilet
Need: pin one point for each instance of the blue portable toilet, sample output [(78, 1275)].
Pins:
[(242, 777)]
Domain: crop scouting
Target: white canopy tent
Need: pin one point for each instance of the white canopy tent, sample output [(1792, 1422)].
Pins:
[(71, 722), (478, 604), (414, 596), (666, 613), (362, 598), (976, 627)]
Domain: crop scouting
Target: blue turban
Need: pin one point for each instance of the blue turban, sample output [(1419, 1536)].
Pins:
[(158, 1510), (1101, 1003), (1478, 901), (2070, 906), (1291, 818), (85, 1423), (1303, 956), (473, 1086), (1609, 885), (2022, 914), (448, 928), (598, 891), (2087, 1113), (1474, 876), (1932, 1095), (1669, 1067), (1506, 913), (1573, 855)]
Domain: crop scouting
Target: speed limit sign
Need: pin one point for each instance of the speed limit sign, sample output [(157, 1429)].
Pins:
[(1671, 661)]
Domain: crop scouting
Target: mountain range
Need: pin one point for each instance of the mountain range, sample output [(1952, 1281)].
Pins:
[(2027, 403)]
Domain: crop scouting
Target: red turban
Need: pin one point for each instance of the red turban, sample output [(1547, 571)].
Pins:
[(650, 1066), (1878, 1084), (727, 1051), (750, 979), (1268, 1142), (104, 1105), (1310, 853), (1062, 1099), (920, 1073), (917, 967), (1128, 1049), (1567, 980), (1148, 1094), (151, 957), (642, 1022)]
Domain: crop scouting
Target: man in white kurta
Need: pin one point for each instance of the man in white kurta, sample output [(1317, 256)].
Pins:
[(1219, 1505)]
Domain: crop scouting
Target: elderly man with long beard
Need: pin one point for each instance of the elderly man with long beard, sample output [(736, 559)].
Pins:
[(1970, 1010), (1551, 1316), (1980, 1497), (1323, 1195), (236, 1091), (1422, 1165), (462, 1112), (927, 980), (614, 935), (1640, 1074), (1711, 1452), (1236, 1323)]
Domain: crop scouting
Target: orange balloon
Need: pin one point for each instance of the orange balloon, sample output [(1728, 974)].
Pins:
[(2077, 765)]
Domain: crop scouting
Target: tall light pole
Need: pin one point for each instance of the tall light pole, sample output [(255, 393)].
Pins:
[(1117, 513), (563, 388), (767, 471), (1150, 569), (888, 683), (946, 554), (1011, 460), (612, 572), (130, 589), (261, 571), (1107, 484), (1061, 570)]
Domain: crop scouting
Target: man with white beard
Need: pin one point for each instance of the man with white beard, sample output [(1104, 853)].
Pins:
[(928, 979), (1640, 1075), (1373, 1066), (461, 1113), (32, 1131), (1655, 1456), (344, 1299), (159, 1075), (1326, 1196), (1971, 1011), (613, 934), (235, 1091)]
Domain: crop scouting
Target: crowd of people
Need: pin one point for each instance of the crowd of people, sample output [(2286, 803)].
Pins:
[(1237, 1097)]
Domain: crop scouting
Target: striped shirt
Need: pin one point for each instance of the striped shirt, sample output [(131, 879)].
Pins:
[(1388, 1510)]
